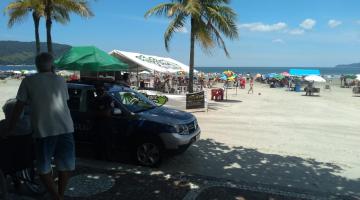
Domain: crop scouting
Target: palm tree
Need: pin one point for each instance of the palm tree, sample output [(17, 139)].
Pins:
[(62, 9), (19, 10), (209, 20)]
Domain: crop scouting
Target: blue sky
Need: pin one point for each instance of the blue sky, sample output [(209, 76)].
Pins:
[(284, 33)]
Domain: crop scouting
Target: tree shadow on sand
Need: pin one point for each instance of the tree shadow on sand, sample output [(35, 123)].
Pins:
[(211, 158)]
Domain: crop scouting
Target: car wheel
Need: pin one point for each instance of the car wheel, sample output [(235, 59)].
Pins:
[(3, 188), (149, 153)]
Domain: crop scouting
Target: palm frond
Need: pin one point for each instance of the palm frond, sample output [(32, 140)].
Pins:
[(203, 35), (224, 19), (177, 23), (161, 9), (192, 7), (79, 7), (60, 14), (17, 11), (217, 37)]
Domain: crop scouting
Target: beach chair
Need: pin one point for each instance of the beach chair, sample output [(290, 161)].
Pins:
[(356, 90), (310, 91), (327, 87)]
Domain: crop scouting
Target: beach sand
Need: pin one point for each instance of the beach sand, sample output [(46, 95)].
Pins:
[(279, 138)]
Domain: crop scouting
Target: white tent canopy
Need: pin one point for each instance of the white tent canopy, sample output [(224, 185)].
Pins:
[(139, 62), (315, 78)]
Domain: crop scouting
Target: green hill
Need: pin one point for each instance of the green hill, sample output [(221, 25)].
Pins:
[(353, 65), (23, 53)]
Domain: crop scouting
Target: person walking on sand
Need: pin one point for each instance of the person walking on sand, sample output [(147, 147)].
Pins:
[(251, 86), (52, 125)]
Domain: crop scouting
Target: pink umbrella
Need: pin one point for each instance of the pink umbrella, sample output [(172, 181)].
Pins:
[(285, 74)]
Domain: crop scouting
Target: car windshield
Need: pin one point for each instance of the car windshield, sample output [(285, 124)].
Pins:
[(133, 101)]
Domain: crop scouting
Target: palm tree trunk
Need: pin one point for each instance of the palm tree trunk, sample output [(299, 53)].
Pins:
[(192, 55), (36, 19), (48, 26)]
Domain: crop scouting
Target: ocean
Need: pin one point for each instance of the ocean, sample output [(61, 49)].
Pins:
[(240, 70), (17, 68), (267, 70)]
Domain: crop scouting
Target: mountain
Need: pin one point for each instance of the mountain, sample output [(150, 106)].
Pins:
[(354, 65), (23, 53)]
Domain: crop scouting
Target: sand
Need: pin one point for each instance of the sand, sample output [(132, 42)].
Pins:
[(279, 138)]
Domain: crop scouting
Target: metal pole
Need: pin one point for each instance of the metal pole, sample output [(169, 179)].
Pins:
[(137, 76), (226, 87), (236, 87)]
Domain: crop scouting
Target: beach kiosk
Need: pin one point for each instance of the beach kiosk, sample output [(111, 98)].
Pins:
[(90, 61), (139, 62), (302, 73)]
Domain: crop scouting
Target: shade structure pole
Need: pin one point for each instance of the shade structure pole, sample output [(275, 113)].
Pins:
[(137, 75), (236, 86), (226, 92)]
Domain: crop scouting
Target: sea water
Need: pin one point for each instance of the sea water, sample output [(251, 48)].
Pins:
[(17, 68), (267, 70)]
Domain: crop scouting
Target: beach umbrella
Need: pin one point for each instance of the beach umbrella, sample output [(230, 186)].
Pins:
[(358, 77), (181, 73), (350, 76), (278, 77), (315, 78), (228, 75), (286, 74), (271, 75), (258, 75), (24, 71), (89, 58)]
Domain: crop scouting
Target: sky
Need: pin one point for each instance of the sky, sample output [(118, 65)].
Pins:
[(273, 33)]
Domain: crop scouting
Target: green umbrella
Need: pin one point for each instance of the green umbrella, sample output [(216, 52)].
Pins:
[(89, 58), (350, 76), (279, 77)]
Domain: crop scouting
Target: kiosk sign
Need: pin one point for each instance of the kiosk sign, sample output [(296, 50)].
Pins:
[(195, 100)]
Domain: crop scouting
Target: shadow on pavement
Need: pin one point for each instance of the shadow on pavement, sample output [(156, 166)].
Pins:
[(211, 158), (127, 186)]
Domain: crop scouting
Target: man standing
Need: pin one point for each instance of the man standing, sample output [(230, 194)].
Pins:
[(47, 95)]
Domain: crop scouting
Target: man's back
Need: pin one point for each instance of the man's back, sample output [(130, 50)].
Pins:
[(47, 95)]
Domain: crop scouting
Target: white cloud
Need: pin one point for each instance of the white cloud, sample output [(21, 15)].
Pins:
[(182, 30), (334, 23), (308, 24), (279, 41), (261, 27), (296, 31)]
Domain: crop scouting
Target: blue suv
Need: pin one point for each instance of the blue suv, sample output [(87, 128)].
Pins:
[(137, 123)]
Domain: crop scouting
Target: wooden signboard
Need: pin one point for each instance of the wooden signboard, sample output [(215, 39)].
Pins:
[(195, 100)]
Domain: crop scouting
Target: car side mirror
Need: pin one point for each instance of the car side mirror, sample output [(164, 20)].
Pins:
[(117, 111)]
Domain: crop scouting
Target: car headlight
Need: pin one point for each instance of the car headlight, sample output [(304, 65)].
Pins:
[(179, 128), (183, 130), (196, 125)]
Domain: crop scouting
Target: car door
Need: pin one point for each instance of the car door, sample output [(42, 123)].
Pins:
[(82, 116), (123, 125)]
